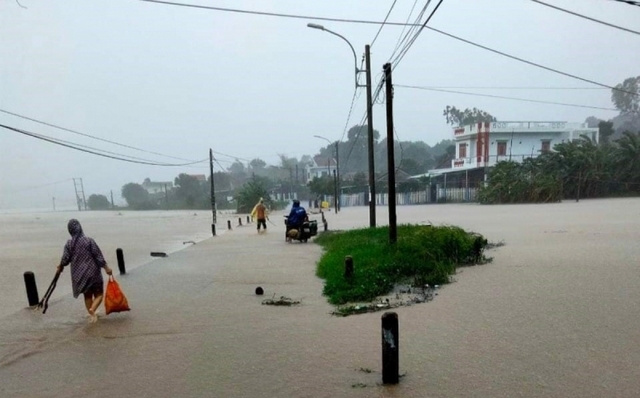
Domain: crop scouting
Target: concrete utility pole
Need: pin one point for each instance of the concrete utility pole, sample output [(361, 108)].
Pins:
[(213, 195), (112, 204), (337, 176), (84, 200), (393, 228), (335, 191), (372, 170)]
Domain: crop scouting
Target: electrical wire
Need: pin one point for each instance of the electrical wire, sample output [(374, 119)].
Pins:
[(346, 124), (383, 22), (88, 135), (630, 2), (530, 62), (586, 17), (404, 51), (388, 23), (415, 2), (108, 141), (416, 24), (507, 98), (93, 151), (516, 88)]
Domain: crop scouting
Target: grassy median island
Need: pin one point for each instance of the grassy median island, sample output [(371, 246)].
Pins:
[(422, 255)]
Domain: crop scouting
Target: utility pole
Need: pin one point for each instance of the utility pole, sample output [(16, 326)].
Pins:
[(393, 229), (335, 191), (290, 183), (75, 187), (372, 170), (166, 195), (112, 204), (337, 177), (213, 195), (297, 180), (84, 200)]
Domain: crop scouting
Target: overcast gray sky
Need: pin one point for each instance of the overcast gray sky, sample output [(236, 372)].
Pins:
[(179, 81)]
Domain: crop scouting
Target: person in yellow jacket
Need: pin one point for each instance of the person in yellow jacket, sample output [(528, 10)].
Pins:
[(259, 212)]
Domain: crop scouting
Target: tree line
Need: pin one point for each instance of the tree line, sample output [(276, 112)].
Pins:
[(582, 168)]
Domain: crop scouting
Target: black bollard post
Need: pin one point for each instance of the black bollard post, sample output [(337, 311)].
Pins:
[(390, 351), (120, 256), (240, 221), (32, 288), (348, 267), (248, 220), (229, 224), (213, 229)]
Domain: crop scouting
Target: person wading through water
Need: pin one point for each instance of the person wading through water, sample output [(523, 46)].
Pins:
[(86, 261), (260, 213)]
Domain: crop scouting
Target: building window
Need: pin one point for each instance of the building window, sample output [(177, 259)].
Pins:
[(546, 146), (502, 148), (462, 151)]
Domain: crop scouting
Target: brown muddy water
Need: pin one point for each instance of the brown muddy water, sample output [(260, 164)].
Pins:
[(556, 314), (34, 242)]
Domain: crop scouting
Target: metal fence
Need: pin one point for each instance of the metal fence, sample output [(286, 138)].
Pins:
[(443, 195)]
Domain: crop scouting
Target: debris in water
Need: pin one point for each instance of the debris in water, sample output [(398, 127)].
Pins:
[(283, 300)]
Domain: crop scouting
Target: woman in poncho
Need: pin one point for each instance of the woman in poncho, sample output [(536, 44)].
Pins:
[(86, 261)]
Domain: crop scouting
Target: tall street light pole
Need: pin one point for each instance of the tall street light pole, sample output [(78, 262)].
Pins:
[(372, 182), (336, 173)]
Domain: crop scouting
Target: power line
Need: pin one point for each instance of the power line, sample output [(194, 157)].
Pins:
[(415, 2), (630, 2), (92, 150), (88, 135), (383, 22), (516, 88), (503, 97), (346, 124), (368, 22), (107, 141), (530, 62), (404, 51), (586, 17), (416, 24)]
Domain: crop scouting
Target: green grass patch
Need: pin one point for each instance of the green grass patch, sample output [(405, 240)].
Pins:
[(423, 254)]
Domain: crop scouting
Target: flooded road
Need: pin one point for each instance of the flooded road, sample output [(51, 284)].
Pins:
[(34, 242), (556, 314)]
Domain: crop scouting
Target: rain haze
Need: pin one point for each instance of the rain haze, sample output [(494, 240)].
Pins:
[(178, 81)]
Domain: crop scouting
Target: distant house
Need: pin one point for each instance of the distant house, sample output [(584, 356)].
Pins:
[(319, 167), (481, 146), (155, 187)]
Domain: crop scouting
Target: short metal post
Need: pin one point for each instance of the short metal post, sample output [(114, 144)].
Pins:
[(240, 221), (229, 224), (248, 220), (120, 256), (32, 288), (348, 267), (390, 351)]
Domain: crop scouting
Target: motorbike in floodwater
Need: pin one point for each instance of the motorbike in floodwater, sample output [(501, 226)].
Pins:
[(305, 231)]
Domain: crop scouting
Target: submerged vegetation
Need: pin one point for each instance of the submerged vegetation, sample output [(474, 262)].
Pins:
[(422, 255)]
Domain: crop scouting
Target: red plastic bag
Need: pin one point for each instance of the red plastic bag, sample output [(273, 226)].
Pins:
[(114, 299)]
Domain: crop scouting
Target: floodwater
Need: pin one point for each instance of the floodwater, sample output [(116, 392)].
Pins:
[(556, 314), (34, 242)]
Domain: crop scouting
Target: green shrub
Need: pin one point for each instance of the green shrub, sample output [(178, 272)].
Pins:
[(421, 255)]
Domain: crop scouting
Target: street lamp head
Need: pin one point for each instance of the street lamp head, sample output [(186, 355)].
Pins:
[(315, 26)]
